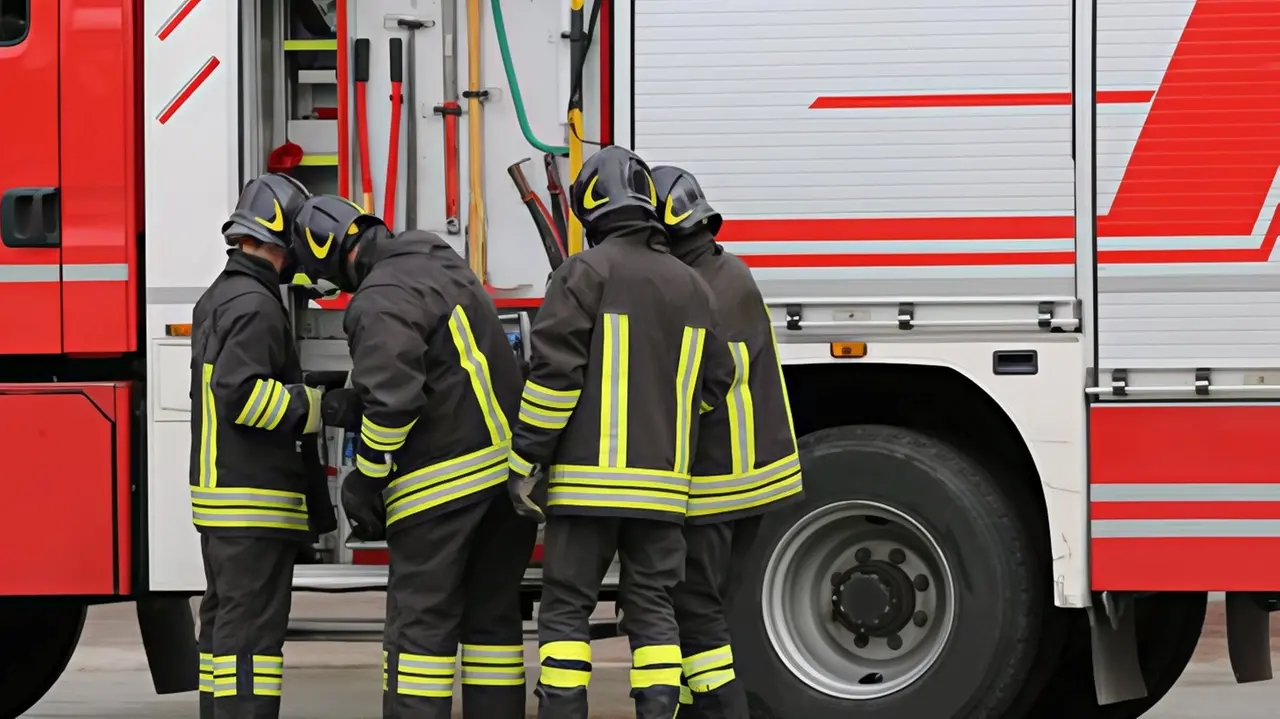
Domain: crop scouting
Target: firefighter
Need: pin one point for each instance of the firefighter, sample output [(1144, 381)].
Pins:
[(435, 389), (745, 462), (254, 459), (624, 353)]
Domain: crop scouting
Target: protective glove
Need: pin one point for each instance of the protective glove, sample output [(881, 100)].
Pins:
[(342, 408), (528, 494), (363, 504)]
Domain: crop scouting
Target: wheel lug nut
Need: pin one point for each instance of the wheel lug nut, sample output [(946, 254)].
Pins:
[(921, 583), (836, 578), (897, 556), (894, 642), (862, 555), (861, 641), (920, 619)]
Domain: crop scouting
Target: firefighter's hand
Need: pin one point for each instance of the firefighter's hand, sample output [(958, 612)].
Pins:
[(364, 507), (525, 494), (342, 408)]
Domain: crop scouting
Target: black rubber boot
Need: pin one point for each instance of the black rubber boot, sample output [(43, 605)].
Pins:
[(657, 702), (555, 703), (727, 702)]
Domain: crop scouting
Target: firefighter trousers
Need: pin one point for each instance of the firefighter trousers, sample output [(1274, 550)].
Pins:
[(577, 552), (455, 578), (716, 553), (243, 619)]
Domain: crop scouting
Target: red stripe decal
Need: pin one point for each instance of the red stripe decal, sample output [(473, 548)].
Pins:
[(1189, 565), (188, 90), (176, 19), (1005, 99)]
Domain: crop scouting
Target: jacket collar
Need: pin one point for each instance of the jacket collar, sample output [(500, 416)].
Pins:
[(243, 263)]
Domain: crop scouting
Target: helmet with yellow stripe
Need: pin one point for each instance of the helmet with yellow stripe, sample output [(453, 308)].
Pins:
[(612, 179), (324, 233), (682, 205), (266, 208)]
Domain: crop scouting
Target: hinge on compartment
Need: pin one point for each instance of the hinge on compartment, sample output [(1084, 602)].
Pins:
[(906, 315), (794, 315), (1044, 315), (1202, 381), (1119, 382)]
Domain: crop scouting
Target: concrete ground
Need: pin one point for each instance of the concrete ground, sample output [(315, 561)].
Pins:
[(108, 677)]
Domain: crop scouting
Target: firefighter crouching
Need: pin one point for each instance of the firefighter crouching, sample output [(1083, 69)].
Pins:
[(623, 354), (435, 388), (745, 462), (254, 459)]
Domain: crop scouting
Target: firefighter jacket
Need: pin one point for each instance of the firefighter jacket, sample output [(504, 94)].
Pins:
[(435, 373), (745, 462), (623, 353), (253, 422)]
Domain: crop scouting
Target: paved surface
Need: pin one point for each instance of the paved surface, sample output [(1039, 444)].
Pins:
[(108, 678)]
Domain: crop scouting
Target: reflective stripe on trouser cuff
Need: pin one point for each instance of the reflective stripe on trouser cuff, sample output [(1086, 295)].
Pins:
[(655, 666), (206, 672), (553, 419), (519, 464), (614, 390), (687, 373), (268, 673), (494, 665), (477, 368), (547, 397), (726, 493), (420, 675), (224, 675), (244, 507), (383, 439), (709, 670), (565, 665), (606, 487), (437, 484), (266, 405)]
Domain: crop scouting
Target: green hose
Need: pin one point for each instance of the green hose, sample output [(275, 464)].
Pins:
[(513, 83)]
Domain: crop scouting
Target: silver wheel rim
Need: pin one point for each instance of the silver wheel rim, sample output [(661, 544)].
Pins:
[(798, 606)]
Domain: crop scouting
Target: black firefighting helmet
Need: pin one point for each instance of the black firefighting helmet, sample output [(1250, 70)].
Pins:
[(609, 180), (324, 232), (265, 210), (682, 205)]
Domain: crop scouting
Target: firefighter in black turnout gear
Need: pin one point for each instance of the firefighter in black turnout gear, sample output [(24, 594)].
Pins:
[(435, 388), (745, 463), (624, 353), (258, 491)]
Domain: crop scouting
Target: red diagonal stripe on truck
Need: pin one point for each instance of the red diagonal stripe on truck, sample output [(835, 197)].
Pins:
[(176, 19), (188, 90), (1203, 164)]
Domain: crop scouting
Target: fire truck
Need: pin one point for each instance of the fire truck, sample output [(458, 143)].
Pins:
[(1019, 255)]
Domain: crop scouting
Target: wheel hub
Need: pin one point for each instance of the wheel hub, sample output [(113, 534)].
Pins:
[(873, 599)]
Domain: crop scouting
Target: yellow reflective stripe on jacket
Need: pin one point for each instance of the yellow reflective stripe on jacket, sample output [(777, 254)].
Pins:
[(551, 398), (731, 493), (519, 464), (619, 488), (266, 405), (782, 378), (370, 468), (268, 675), (383, 439), (246, 507), (742, 425), (493, 665), (208, 429), (446, 481), (614, 390), (654, 666), (543, 417), (477, 366), (686, 385), (425, 676)]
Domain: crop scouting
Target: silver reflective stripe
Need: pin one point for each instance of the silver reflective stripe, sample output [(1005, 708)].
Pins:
[(477, 366), (613, 392), (385, 438), (707, 505), (479, 653), (555, 399), (519, 464), (740, 410), (224, 664), (686, 406), (444, 470), (67, 273), (616, 498), (267, 684), (429, 665), (764, 475), (493, 674), (1184, 492), (1202, 528), (244, 495), (545, 418), (712, 659), (246, 518), (431, 498), (268, 664), (594, 475)]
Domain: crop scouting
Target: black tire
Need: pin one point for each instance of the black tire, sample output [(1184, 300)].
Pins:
[(37, 639), (1000, 585), (1168, 630)]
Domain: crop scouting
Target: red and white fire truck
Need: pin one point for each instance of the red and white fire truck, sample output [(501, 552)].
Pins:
[(1020, 255)]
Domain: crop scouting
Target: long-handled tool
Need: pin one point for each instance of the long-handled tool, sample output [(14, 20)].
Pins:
[(577, 52), (393, 144), (559, 202), (411, 145), (450, 111), (542, 219), (362, 119), (477, 248)]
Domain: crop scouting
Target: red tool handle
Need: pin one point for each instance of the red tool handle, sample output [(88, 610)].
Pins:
[(393, 145), (362, 119), (451, 174)]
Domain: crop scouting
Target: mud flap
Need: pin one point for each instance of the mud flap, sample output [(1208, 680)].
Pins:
[(169, 638), (1248, 638), (1117, 675)]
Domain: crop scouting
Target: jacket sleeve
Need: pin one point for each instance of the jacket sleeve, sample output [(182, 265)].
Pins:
[(560, 342), (388, 372), (252, 332)]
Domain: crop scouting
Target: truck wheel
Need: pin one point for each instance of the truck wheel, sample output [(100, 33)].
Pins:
[(901, 586), (36, 642), (1168, 630)]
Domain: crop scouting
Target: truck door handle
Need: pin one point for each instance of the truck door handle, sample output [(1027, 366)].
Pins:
[(1015, 362), (30, 217)]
